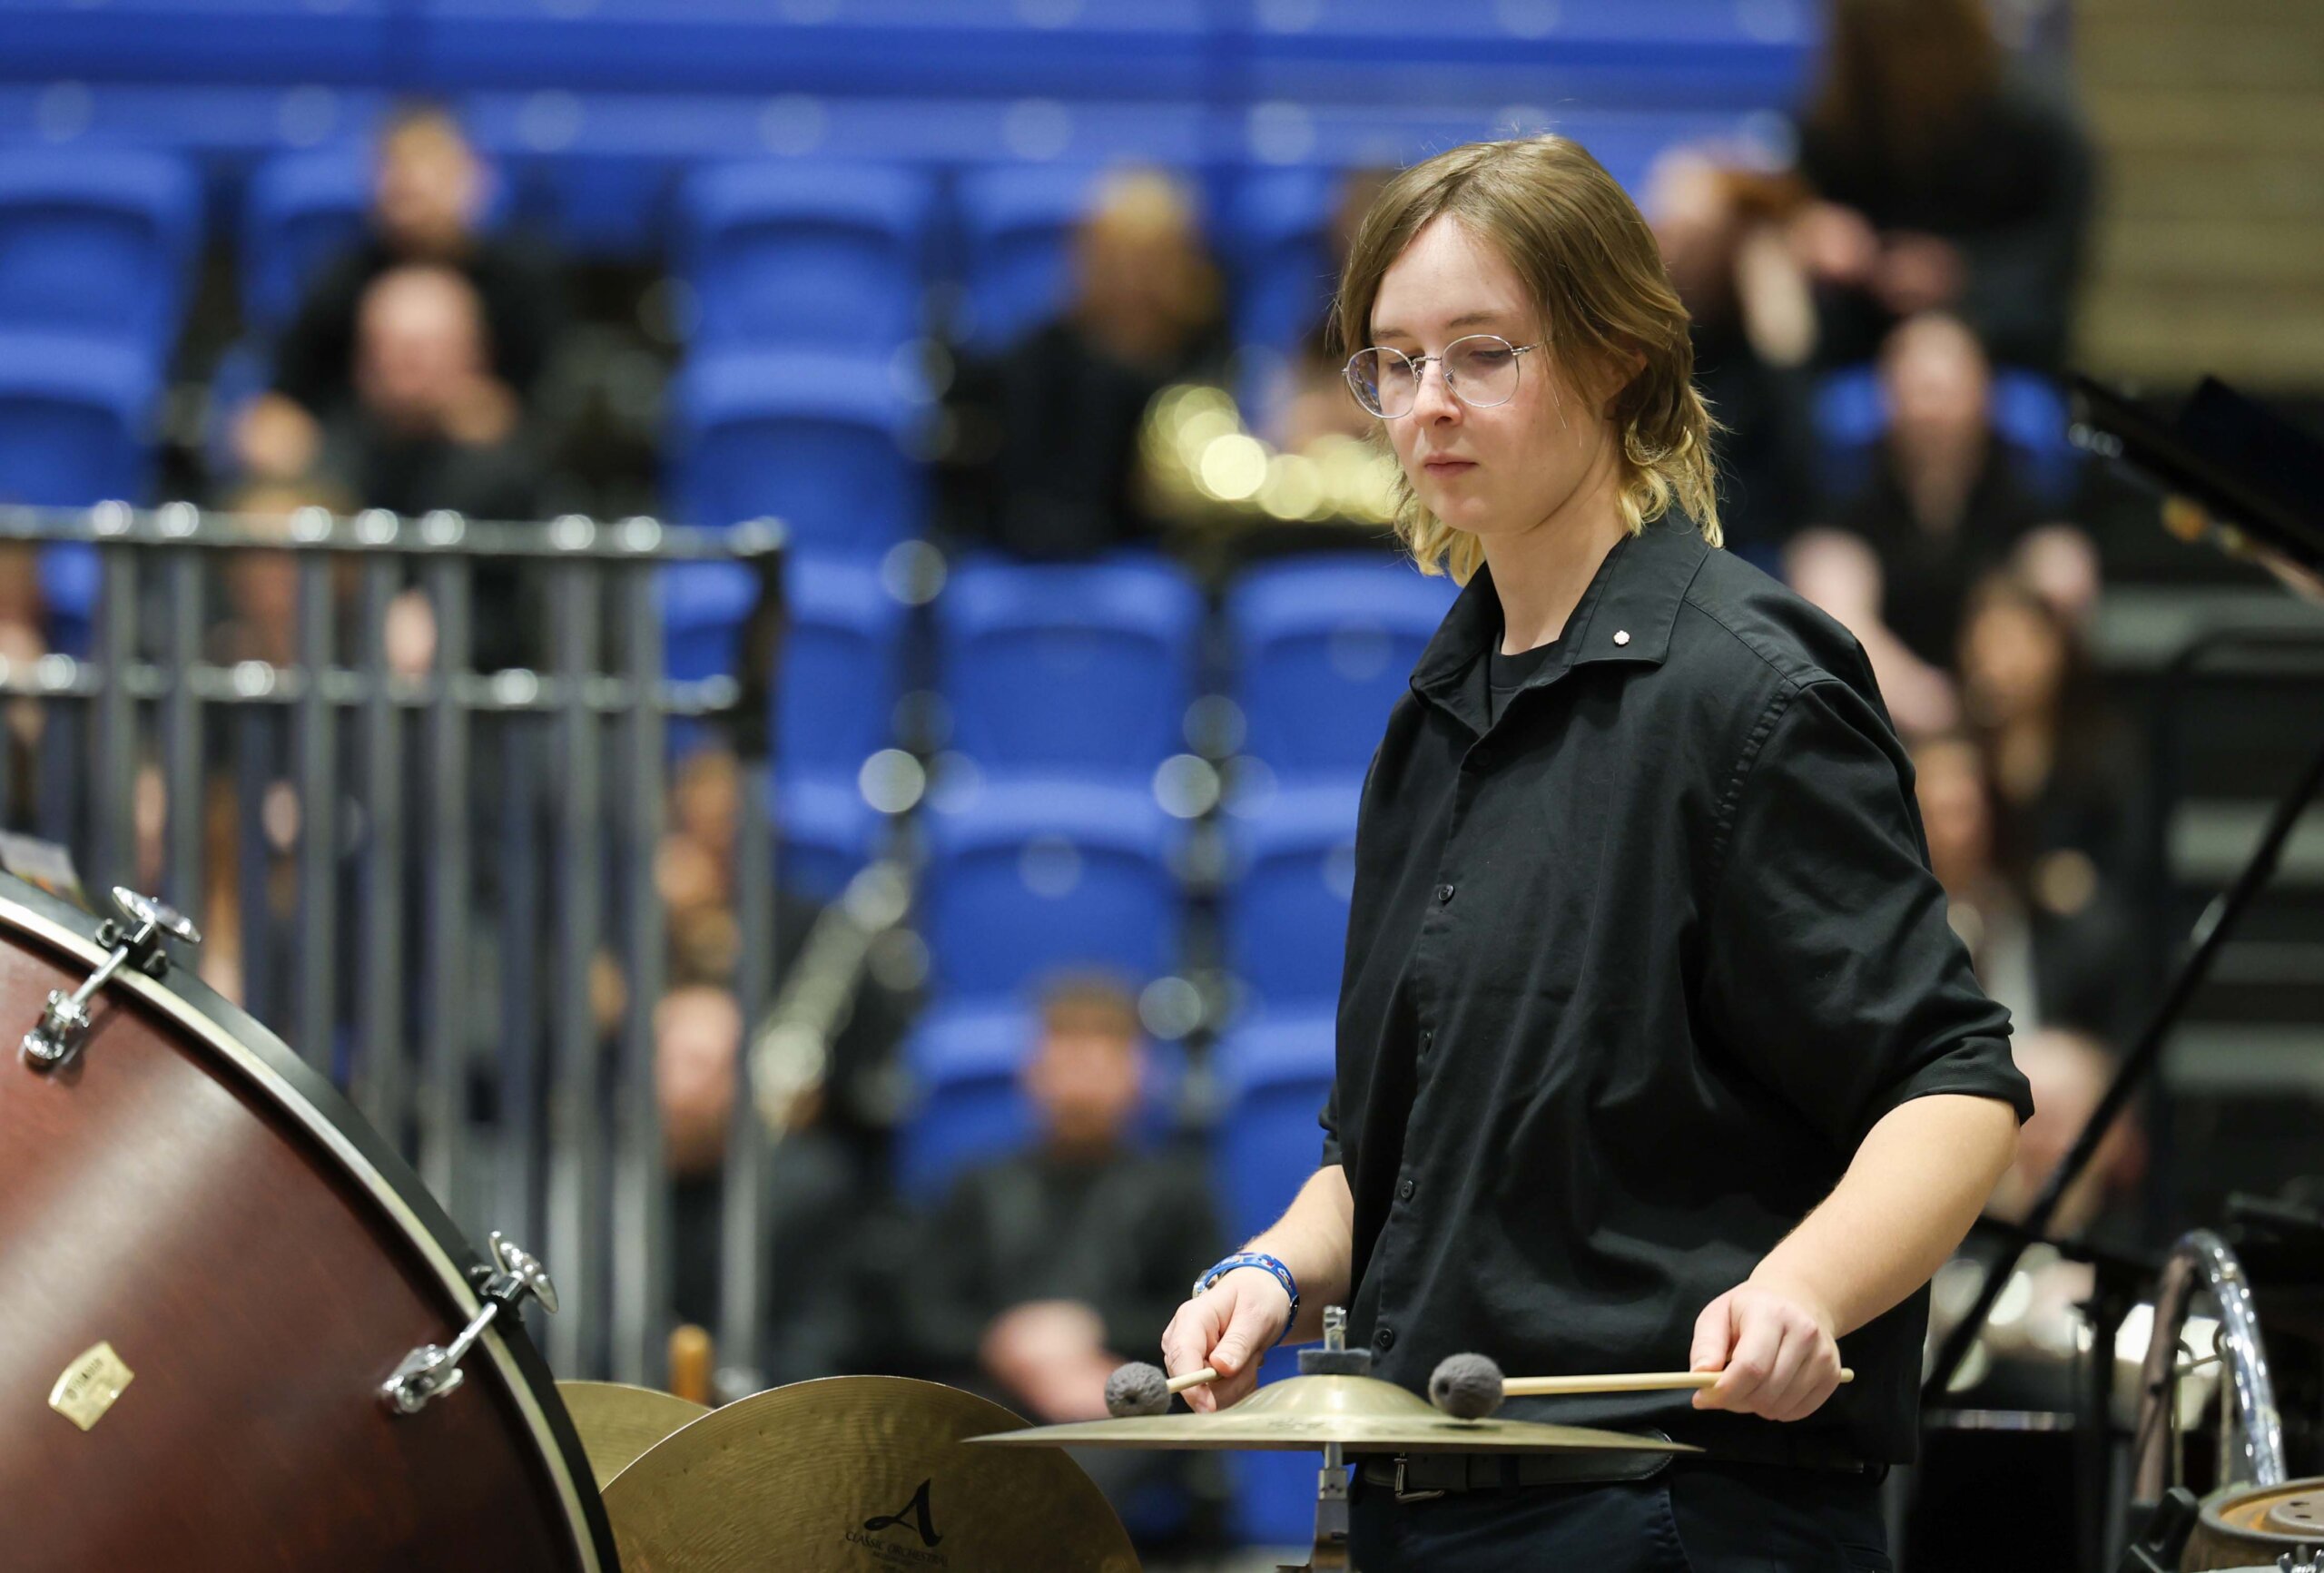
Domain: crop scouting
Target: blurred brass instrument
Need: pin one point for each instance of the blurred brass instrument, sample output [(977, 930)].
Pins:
[(1202, 466)]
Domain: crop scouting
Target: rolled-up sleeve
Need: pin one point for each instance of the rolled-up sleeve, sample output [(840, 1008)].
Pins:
[(1829, 969)]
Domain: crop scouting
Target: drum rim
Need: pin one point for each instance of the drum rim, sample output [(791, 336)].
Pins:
[(267, 1064)]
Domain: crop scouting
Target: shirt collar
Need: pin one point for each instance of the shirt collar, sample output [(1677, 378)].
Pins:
[(1625, 615)]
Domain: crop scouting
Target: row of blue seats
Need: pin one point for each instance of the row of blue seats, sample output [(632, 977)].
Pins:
[(598, 170), (1079, 670), (1367, 50), (1028, 878)]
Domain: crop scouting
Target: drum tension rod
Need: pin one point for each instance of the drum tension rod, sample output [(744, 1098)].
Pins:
[(432, 1370), (66, 1022)]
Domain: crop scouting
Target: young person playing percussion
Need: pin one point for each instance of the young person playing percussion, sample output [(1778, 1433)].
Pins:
[(1654, 1045)]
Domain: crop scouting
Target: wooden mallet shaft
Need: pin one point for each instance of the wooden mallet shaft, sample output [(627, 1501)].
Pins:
[(1634, 1382), (1191, 1379)]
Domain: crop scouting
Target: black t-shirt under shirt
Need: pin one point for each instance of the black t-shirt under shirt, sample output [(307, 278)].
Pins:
[(1505, 675)]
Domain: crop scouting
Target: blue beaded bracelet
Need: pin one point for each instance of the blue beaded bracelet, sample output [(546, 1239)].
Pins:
[(1263, 1262)]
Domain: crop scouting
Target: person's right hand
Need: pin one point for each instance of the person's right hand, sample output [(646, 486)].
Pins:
[(1227, 1327)]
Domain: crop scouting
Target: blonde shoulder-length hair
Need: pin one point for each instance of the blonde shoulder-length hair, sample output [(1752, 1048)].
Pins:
[(1592, 266)]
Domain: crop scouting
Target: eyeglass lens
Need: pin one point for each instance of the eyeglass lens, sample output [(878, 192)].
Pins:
[(1481, 370)]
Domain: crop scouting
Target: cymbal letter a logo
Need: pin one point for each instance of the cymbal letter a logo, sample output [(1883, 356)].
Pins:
[(913, 1516)]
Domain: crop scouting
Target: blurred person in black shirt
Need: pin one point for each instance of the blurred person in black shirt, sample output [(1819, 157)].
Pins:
[(429, 196), (1752, 322), (1947, 501), (429, 426), (1948, 183), (1041, 1272), (2063, 759), (2056, 959), (1043, 462), (1047, 1269)]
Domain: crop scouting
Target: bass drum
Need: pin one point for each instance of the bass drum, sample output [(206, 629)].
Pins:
[(194, 1221)]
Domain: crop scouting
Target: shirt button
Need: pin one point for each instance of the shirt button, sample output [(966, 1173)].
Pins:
[(1384, 1339), (1444, 894), (1404, 1190), (1427, 1041)]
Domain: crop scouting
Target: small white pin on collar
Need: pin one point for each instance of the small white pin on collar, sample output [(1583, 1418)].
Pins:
[(1622, 635)]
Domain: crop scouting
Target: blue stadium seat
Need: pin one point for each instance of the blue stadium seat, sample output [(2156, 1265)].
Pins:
[(816, 440), (1279, 238), (1292, 853), (302, 210), (968, 1107), (1016, 223), (824, 831), (703, 608), (1274, 1074), (805, 255), (73, 419), (898, 51), (1635, 53), (1068, 667), (1027, 878), (97, 242), (72, 424), (1275, 1071), (841, 666), (273, 42), (2029, 411), (1324, 646)]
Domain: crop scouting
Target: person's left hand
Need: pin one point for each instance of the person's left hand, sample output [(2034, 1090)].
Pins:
[(1773, 1348)]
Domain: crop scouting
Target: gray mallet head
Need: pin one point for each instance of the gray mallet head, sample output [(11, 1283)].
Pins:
[(1465, 1386), (1139, 1388)]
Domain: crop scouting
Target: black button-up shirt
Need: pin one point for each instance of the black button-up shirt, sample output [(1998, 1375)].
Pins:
[(1636, 959)]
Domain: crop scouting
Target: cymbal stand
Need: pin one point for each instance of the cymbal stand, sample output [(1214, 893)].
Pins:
[(1334, 1359)]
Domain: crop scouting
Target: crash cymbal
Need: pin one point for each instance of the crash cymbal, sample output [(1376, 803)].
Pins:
[(858, 1472), (617, 1422), (1362, 1413)]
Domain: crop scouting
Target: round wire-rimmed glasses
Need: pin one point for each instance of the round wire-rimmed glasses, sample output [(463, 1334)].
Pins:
[(1479, 370)]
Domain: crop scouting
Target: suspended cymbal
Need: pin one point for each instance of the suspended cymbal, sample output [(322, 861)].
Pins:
[(1362, 1413), (858, 1472), (617, 1422)]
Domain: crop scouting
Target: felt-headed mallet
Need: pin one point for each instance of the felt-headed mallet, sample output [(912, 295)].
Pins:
[(1139, 1388)]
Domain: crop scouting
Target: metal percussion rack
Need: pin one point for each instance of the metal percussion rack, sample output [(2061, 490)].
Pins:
[(465, 845)]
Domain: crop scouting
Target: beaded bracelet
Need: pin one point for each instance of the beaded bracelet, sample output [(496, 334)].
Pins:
[(1262, 1261)]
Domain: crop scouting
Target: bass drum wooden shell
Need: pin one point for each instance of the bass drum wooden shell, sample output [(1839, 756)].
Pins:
[(189, 1192)]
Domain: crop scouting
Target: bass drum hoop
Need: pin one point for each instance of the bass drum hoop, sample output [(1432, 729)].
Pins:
[(265, 1063)]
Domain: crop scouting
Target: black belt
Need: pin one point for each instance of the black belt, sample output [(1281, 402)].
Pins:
[(1414, 1476)]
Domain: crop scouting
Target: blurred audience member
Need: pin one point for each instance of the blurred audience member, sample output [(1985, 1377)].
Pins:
[(1043, 462), (1721, 230), (821, 1201), (1046, 1270), (1945, 504), (429, 426), (2070, 968), (431, 193), (1314, 402), (1947, 182), (2064, 763)]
